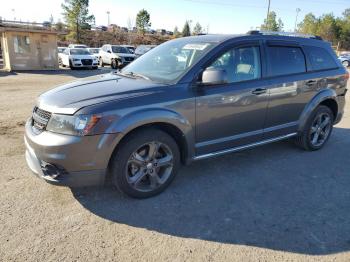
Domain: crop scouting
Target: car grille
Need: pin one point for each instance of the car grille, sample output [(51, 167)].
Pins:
[(40, 118), (129, 59), (86, 61)]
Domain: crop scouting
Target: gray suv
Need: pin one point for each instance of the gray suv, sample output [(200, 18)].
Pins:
[(188, 99)]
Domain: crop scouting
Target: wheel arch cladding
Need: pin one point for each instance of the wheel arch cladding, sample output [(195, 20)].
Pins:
[(166, 120), (325, 97)]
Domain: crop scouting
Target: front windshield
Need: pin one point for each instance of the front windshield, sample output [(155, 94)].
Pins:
[(120, 49), (79, 51), (94, 50), (169, 61)]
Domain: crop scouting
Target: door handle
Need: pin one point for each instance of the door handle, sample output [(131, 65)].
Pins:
[(259, 91)]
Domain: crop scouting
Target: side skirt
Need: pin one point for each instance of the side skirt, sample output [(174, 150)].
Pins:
[(235, 149)]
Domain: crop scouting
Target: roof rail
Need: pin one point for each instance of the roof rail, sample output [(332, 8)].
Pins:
[(292, 34)]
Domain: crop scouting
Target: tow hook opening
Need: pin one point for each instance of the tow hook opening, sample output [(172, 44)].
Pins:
[(51, 170)]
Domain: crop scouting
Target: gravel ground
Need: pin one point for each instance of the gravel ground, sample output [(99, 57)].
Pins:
[(271, 203)]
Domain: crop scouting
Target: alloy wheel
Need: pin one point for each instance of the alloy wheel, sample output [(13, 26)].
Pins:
[(149, 166), (320, 129)]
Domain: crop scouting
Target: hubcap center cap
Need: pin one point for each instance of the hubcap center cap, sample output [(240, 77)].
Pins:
[(149, 165)]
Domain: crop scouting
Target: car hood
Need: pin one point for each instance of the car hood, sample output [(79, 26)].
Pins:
[(69, 98)]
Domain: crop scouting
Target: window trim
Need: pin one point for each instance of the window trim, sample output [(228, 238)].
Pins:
[(286, 45), (252, 43)]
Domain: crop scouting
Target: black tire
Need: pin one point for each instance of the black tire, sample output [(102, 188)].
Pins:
[(114, 64), (71, 65), (122, 157), (305, 139), (346, 63), (101, 62)]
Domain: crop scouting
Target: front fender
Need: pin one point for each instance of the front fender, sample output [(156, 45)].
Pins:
[(144, 117), (311, 106)]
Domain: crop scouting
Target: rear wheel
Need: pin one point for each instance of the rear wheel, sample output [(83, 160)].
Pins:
[(146, 163), (317, 130)]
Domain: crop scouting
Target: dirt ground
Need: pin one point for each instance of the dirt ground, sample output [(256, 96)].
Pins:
[(271, 203)]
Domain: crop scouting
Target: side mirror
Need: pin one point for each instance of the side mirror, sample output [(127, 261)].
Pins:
[(214, 76), (109, 51)]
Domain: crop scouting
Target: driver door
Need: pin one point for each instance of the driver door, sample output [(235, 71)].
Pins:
[(232, 114)]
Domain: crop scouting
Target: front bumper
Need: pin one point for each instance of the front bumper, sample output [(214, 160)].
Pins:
[(75, 161)]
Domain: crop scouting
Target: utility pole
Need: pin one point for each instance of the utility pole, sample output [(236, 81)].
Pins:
[(267, 15), (296, 19), (108, 18)]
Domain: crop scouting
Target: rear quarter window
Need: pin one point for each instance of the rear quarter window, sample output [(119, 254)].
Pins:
[(320, 58), (285, 60)]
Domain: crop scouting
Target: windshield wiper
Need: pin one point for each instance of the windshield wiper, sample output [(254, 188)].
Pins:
[(132, 74)]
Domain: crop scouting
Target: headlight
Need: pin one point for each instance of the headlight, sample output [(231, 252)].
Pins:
[(79, 125), (76, 59)]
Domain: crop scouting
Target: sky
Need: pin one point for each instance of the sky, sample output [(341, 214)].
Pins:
[(216, 16)]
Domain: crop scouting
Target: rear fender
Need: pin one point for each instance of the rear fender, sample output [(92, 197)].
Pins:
[(313, 104)]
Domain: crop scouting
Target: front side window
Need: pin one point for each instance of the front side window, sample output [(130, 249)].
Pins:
[(319, 58), (240, 64), (21, 44), (285, 60)]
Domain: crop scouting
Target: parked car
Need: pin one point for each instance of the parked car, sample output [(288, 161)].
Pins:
[(61, 49), (136, 126), (77, 46), (131, 48), (143, 49), (95, 52), (77, 58), (115, 55), (345, 60)]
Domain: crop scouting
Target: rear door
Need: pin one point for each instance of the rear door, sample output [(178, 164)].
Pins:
[(290, 88)]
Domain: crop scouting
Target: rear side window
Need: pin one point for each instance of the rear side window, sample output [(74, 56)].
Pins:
[(320, 59), (285, 60)]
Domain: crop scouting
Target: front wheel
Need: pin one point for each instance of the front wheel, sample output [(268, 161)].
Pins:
[(146, 163), (346, 63), (317, 130), (114, 64)]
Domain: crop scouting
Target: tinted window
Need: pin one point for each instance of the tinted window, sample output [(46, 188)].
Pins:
[(286, 60), (320, 58), (240, 64)]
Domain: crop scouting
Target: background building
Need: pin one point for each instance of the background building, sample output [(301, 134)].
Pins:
[(27, 49)]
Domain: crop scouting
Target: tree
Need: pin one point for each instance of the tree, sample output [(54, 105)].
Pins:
[(328, 28), (77, 17), (309, 25), (186, 31), (143, 21), (176, 32), (344, 29), (197, 29), (271, 24)]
